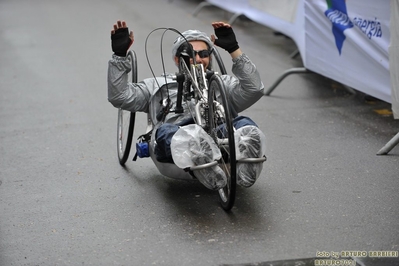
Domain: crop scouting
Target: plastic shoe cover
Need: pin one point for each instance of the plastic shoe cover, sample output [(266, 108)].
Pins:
[(213, 177), (250, 143), (192, 146)]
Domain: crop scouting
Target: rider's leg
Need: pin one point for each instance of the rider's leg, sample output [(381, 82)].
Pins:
[(191, 146), (201, 153), (250, 144), (163, 137)]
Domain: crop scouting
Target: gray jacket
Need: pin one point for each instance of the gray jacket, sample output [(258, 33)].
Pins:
[(243, 89)]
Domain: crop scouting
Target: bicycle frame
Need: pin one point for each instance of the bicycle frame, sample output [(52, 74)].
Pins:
[(211, 111), (193, 82)]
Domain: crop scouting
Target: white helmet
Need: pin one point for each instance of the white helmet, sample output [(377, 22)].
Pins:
[(190, 35)]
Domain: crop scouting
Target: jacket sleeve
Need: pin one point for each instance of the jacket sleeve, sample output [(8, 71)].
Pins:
[(123, 94), (246, 88)]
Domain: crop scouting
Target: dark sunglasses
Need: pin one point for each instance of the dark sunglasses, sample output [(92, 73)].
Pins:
[(202, 53)]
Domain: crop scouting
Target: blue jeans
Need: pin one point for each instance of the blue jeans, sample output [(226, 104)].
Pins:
[(165, 132)]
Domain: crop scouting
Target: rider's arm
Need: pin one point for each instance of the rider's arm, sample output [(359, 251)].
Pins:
[(129, 96), (123, 94), (246, 88), (236, 53)]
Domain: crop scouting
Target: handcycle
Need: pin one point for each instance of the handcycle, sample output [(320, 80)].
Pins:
[(205, 91)]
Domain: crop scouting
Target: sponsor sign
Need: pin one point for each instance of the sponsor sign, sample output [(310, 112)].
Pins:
[(347, 41)]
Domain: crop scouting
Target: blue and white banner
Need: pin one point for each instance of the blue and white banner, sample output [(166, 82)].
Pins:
[(347, 41)]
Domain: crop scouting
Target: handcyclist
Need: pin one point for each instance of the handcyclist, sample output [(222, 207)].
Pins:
[(243, 90)]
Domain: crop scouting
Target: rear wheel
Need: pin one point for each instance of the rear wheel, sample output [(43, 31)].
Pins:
[(126, 119), (222, 131)]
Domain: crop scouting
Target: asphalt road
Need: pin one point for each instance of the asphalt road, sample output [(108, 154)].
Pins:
[(65, 200)]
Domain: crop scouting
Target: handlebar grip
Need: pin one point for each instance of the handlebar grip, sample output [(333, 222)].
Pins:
[(160, 114)]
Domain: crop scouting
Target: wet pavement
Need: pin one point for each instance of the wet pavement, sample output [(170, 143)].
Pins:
[(65, 200)]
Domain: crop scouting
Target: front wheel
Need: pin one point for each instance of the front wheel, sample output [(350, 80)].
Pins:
[(126, 119), (222, 131)]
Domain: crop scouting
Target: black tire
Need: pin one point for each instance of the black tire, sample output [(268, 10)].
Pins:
[(228, 161), (219, 61), (126, 119)]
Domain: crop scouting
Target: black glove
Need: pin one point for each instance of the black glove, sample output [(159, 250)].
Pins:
[(121, 41), (226, 39)]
